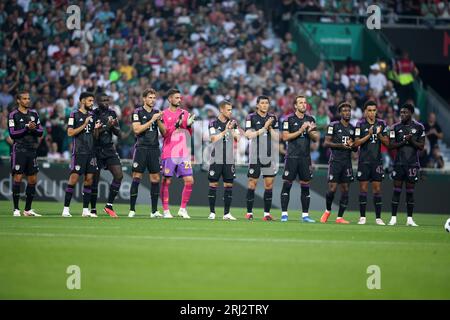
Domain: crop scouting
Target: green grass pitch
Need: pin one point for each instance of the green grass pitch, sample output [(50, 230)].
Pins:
[(143, 258)]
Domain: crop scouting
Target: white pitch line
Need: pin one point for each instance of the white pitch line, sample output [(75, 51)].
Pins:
[(230, 239)]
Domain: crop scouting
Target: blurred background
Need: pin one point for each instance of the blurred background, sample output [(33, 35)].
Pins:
[(236, 50)]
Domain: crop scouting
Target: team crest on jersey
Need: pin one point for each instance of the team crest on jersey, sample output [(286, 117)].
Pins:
[(211, 173), (17, 167), (359, 173), (351, 132), (32, 118), (167, 170), (251, 171), (331, 177), (135, 164), (413, 131), (77, 168), (394, 173), (286, 173)]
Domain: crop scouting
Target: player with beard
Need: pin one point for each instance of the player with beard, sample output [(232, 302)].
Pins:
[(80, 128), (105, 153), (176, 157), (24, 128), (146, 123), (299, 130)]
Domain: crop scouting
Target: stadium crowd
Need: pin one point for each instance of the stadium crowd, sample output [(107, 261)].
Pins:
[(209, 50)]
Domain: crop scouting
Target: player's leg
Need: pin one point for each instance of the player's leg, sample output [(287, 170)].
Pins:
[(398, 184), (377, 201), (343, 203), (73, 179), (114, 188), (136, 176), (139, 159), (31, 171), (214, 173), (185, 196), (153, 167), (184, 170), (289, 175), (168, 170), (305, 198), (30, 191), (254, 171), (154, 194), (268, 186), (94, 191), (17, 181), (410, 204), (227, 199), (333, 176), (87, 184), (363, 189)]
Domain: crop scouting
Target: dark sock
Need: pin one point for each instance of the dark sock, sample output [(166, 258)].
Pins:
[(410, 202), (305, 197), (267, 200), (250, 200), (227, 197), (68, 196), (395, 200), (134, 193), (285, 193), (113, 191), (29, 191), (378, 203), (329, 197), (154, 194), (362, 203), (16, 194), (343, 204), (94, 195), (212, 199), (86, 196)]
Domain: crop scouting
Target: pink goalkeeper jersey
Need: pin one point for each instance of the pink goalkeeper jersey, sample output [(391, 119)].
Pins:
[(175, 140)]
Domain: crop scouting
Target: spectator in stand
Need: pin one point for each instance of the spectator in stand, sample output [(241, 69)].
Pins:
[(377, 80)]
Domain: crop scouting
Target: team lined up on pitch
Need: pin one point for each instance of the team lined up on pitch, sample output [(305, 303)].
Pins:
[(92, 131)]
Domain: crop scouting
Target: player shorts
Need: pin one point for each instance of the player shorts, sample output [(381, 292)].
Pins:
[(83, 164), (300, 167), (370, 172), (146, 158), (24, 163), (255, 170), (340, 172), (409, 174), (176, 166), (226, 171), (107, 157)]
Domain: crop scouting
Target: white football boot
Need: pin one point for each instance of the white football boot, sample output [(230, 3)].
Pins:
[(228, 216), (156, 215), (183, 213), (31, 213)]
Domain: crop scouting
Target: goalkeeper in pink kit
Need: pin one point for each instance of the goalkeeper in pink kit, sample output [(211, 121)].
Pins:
[(176, 158)]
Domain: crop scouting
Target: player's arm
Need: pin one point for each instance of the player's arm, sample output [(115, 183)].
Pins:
[(418, 143), (139, 128), (214, 136), (393, 144), (383, 136), (360, 141), (13, 132), (162, 128), (71, 131), (286, 135), (113, 124), (38, 130), (313, 133)]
